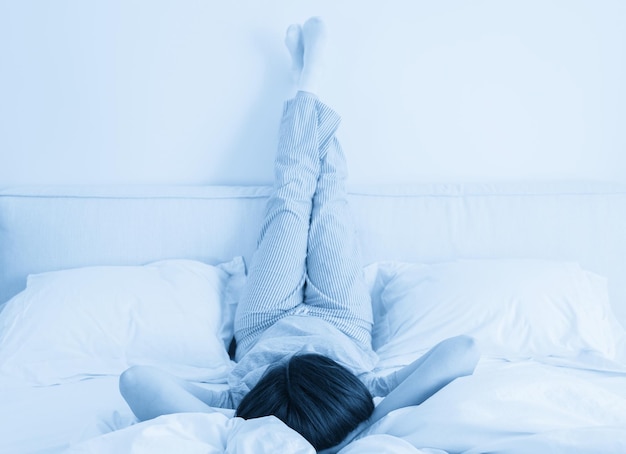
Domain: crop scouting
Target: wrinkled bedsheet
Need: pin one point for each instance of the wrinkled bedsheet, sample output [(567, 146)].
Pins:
[(515, 407)]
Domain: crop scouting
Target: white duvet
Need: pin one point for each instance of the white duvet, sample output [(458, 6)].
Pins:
[(505, 407)]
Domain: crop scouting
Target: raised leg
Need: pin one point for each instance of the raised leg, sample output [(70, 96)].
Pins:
[(335, 288), (277, 272)]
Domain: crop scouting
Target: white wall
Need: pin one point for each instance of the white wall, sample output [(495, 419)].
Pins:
[(190, 91)]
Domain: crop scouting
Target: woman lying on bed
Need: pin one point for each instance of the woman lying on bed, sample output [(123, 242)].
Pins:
[(304, 322)]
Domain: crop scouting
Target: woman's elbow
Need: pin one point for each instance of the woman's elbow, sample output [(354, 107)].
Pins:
[(130, 380), (466, 353), (472, 354), (133, 383)]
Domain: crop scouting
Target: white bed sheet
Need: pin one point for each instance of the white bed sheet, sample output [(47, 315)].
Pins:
[(47, 419), (512, 407)]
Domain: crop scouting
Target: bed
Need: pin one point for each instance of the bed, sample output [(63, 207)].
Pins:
[(94, 279)]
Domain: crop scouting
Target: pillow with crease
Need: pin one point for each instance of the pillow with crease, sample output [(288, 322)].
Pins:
[(73, 324), (516, 309)]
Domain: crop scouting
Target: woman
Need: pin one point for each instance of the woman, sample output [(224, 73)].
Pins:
[(303, 325)]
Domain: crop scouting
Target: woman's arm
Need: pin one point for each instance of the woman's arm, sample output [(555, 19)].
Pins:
[(450, 359), (151, 392), (446, 361)]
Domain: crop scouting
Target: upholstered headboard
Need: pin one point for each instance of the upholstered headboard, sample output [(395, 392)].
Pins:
[(51, 228)]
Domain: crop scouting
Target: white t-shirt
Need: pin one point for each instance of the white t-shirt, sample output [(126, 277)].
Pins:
[(301, 334)]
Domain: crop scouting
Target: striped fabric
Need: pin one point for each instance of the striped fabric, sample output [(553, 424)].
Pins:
[(307, 260)]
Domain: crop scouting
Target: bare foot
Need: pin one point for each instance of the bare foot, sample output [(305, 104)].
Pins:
[(293, 41), (314, 37)]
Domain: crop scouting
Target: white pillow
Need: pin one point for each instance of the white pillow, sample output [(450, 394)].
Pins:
[(514, 308), (72, 324)]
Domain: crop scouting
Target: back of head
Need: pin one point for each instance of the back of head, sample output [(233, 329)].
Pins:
[(312, 394)]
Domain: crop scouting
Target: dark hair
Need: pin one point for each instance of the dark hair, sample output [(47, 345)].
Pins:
[(312, 394)]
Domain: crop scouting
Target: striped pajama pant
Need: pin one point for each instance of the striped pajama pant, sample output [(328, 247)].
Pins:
[(307, 259)]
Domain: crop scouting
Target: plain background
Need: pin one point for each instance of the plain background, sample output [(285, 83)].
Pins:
[(190, 91)]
